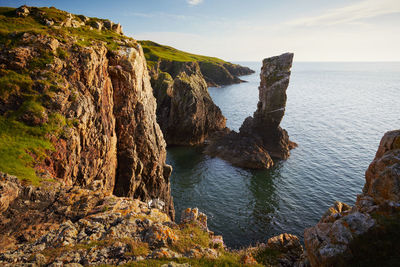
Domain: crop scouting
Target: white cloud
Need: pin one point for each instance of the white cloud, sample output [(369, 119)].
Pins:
[(194, 2), (351, 14)]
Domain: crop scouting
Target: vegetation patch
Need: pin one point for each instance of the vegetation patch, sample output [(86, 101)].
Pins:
[(13, 82), (230, 259), (17, 143), (265, 255), (190, 236), (155, 52)]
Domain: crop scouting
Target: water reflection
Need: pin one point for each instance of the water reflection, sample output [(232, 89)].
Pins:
[(336, 112), (240, 204)]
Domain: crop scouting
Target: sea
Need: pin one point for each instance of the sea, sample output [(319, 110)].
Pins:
[(336, 112)]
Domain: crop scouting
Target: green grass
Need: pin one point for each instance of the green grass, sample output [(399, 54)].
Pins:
[(12, 27), (17, 143), (227, 259), (154, 52), (12, 82), (190, 236)]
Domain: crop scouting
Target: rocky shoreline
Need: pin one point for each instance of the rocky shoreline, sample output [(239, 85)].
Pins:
[(83, 178)]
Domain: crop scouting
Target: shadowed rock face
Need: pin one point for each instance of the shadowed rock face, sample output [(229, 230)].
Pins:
[(141, 172), (113, 141), (185, 111), (260, 137), (366, 232)]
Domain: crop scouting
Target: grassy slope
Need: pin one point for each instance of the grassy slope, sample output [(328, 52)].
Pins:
[(155, 52), (22, 146)]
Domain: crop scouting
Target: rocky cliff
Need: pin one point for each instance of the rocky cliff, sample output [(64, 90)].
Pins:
[(215, 71), (261, 138), (185, 111), (366, 234), (78, 92)]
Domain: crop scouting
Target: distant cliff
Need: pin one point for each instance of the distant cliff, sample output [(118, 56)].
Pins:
[(185, 111), (76, 104), (215, 71)]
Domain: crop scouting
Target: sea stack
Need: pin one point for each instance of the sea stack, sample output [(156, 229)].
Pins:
[(261, 138)]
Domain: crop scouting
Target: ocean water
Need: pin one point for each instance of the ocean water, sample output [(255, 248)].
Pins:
[(336, 113)]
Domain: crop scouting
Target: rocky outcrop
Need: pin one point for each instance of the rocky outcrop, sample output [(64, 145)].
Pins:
[(53, 17), (96, 104), (223, 74), (142, 172), (185, 111), (215, 71), (261, 138), (366, 233), (61, 225)]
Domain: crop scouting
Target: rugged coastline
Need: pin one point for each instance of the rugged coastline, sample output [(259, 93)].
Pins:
[(185, 111), (77, 107)]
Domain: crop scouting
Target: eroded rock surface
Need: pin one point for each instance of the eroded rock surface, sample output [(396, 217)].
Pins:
[(185, 111), (363, 234), (55, 224), (261, 138), (96, 98)]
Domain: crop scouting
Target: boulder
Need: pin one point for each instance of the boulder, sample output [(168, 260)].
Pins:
[(22, 11)]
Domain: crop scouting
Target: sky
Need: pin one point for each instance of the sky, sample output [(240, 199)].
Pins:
[(250, 30)]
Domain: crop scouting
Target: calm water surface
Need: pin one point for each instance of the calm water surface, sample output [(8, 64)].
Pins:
[(336, 112)]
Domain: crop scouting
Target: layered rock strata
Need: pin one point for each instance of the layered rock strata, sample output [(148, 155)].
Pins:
[(367, 233), (97, 102), (185, 111), (261, 138)]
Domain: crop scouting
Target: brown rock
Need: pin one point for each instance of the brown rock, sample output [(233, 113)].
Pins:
[(185, 111), (335, 239), (103, 97), (8, 191), (261, 138), (117, 28), (22, 11), (289, 248), (141, 153), (383, 174)]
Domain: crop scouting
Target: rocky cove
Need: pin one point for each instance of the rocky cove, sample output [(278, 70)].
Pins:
[(100, 191)]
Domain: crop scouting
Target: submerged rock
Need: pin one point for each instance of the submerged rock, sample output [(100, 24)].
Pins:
[(261, 138)]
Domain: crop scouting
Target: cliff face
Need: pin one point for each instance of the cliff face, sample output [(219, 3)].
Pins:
[(261, 138), (215, 71), (93, 101), (185, 111), (366, 234)]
